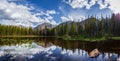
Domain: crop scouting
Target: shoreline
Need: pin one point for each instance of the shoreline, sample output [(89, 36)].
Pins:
[(71, 38), (89, 39), (24, 36)]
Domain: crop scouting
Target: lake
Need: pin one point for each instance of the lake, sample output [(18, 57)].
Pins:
[(53, 49)]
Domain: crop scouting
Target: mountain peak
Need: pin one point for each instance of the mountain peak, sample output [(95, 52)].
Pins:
[(44, 26)]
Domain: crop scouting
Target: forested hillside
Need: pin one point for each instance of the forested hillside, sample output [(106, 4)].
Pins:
[(90, 27), (15, 30)]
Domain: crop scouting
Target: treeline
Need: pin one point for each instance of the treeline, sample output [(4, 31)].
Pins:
[(15, 30), (91, 27)]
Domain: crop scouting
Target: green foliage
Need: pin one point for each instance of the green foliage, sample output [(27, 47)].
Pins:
[(73, 29), (91, 27), (15, 30)]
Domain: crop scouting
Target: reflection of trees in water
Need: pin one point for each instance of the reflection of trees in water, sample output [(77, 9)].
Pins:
[(103, 47), (14, 41), (72, 49), (77, 55), (106, 48), (112, 46), (88, 46)]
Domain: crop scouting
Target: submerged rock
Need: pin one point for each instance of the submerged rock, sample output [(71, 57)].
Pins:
[(94, 53)]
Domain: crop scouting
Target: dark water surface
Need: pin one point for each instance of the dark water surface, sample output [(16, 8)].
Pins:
[(53, 49)]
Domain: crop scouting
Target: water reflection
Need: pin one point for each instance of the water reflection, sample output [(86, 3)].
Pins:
[(42, 49)]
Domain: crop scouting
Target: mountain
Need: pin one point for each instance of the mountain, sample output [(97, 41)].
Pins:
[(88, 21), (116, 16), (44, 26)]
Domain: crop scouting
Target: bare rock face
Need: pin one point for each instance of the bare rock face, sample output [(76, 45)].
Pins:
[(117, 16), (94, 53), (44, 26)]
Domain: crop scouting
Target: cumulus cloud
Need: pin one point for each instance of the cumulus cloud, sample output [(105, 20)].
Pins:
[(65, 19), (72, 14), (80, 3), (14, 14), (103, 4), (113, 5), (51, 12), (47, 16), (72, 18)]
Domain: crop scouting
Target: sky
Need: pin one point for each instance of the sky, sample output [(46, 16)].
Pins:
[(30, 13)]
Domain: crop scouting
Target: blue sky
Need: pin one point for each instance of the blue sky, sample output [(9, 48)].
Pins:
[(34, 12)]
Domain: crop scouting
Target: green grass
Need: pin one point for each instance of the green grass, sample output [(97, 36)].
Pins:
[(90, 39), (85, 39), (115, 38), (72, 38)]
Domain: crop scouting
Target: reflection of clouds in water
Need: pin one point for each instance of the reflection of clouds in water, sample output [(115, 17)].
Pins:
[(118, 59), (24, 49), (34, 52)]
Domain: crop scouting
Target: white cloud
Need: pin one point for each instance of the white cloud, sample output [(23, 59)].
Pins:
[(72, 14), (77, 15), (113, 5), (81, 3), (65, 19), (47, 13), (72, 18), (103, 4), (91, 3), (51, 12), (14, 14), (47, 16)]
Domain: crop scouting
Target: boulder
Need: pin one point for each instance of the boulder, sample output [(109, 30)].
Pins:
[(94, 53)]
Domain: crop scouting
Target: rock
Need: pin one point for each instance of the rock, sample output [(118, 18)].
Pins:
[(94, 53)]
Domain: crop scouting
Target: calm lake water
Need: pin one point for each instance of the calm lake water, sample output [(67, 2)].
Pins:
[(53, 49)]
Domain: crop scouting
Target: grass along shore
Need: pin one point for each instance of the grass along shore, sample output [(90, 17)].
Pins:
[(72, 38), (90, 39)]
